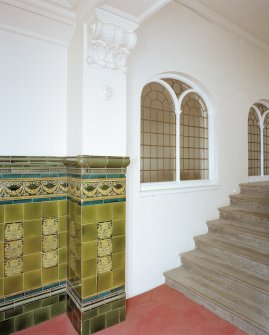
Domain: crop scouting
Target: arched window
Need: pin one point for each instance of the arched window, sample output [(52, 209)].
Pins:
[(174, 132), (258, 140)]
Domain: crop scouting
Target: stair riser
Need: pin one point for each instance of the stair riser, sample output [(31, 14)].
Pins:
[(225, 314), (245, 292), (254, 191), (243, 263), (260, 223), (250, 205), (240, 238)]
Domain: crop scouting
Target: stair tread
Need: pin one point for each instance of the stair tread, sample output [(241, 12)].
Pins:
[(198, 285), (244, 211), (260, 199), (231, 247), (226, 269), (258, 184), (241, 227)]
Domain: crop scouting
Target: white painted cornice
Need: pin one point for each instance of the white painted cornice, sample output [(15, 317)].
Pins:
[(38, 19), (221, 22)]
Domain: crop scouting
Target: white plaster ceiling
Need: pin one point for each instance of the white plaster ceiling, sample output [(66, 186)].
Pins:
[(250, 15)]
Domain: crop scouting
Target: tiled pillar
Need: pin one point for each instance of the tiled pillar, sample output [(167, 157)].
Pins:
[(33, 248), (96, 241)]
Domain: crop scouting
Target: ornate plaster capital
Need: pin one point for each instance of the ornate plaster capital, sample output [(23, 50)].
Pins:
[(110, 40)]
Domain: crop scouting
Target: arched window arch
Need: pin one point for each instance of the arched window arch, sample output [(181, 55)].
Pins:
[(174, 131), (258, 139)]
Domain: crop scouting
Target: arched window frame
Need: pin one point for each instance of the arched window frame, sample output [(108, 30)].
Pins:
[(261, 118), (187, 185)]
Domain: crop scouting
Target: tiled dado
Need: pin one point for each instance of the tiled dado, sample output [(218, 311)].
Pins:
[(42, 201)]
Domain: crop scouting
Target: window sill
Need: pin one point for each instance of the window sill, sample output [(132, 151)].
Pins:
[(171, 187), (253, 179)]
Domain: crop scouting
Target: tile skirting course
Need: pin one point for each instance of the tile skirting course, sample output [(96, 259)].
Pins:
[(62, 229), (229, 269)]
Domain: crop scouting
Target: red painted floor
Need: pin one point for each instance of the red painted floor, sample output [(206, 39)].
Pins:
[(161, 311)]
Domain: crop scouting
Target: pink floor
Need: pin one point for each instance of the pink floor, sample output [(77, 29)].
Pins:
[(161, 311)]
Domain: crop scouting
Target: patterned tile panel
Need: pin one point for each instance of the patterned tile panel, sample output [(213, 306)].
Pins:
[(13, 231), (104, 247), (104, 229), (50, 226), (50, 242)]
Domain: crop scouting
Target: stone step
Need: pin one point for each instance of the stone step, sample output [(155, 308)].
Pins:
[(248, 286), (260, 189), (244, 258), (259, 204), (260, 220), (240, 233), (218, 300)]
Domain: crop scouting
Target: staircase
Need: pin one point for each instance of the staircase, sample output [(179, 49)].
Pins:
[(228, 272)]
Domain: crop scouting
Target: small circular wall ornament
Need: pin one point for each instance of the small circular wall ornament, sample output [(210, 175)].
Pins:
[(105, 93)]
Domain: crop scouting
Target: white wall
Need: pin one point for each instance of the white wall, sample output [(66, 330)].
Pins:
[(33, 96), (236, 74)]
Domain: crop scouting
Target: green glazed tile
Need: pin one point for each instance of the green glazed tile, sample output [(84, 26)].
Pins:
[(63, 255), (89, 287), (104, 309), (13, 312), (32, 211), (98, 323), (85, 327), (24, 321), (13, 284), (1, 232), (119, 277), (89, 314), (118, 303), (88, 268), (118, 243), (1, 251), (89, 250), (62, 271), (32, 280), (13, 213), (122, 314), (119, 227), (32, 262), (88, 214), (58, 308), (104, 212), (62, 224), (1, 287), (49, 209), (50, 275), (1, 269), (62, 206), (2, 316), (119, 210), (42, 314), (50, 300), (104, 281), (63, 240), (2, 213), (32, 228), (118, 260), (89, 232), (7, 327), (112, 318), (32, 245), (32, 306)]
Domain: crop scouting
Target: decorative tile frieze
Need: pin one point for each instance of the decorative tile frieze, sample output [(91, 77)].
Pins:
[(50, 226), (104, 230), (104, 264), (31, 188), (13, 231), (97, 188), (13, 266), (13, 249)]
